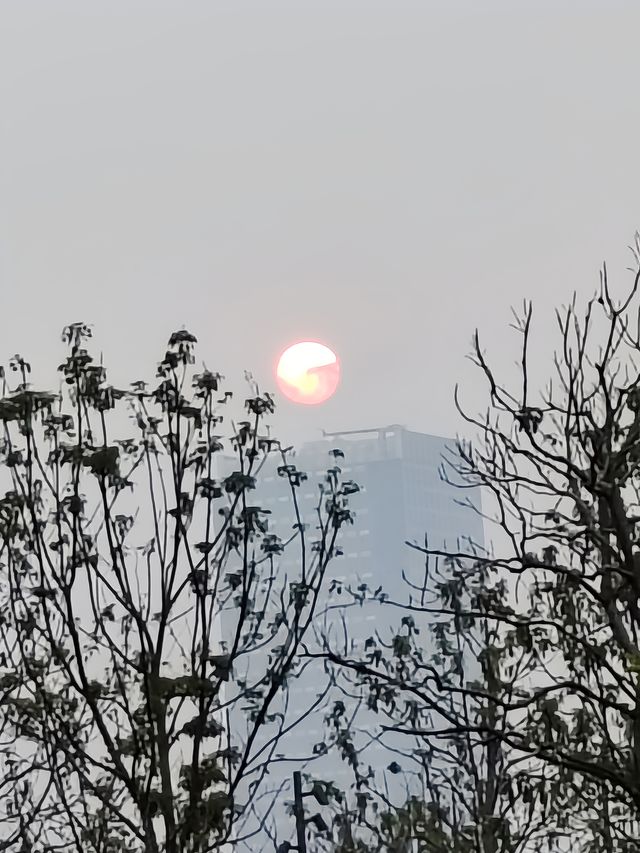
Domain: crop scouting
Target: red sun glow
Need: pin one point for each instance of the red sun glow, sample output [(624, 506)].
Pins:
[(308, 372)]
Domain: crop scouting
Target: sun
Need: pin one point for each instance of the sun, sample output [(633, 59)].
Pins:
[(308, 372)]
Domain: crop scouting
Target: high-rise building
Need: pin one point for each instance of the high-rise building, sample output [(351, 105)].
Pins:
[(402, 497)]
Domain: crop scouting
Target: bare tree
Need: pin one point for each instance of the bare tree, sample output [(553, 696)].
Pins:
[(557, 599), (134, 582)]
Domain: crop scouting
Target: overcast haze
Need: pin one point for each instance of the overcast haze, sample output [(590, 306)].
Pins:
[(380, 176)]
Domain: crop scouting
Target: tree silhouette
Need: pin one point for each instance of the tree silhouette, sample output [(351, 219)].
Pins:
[(556, 603), (134, 581)]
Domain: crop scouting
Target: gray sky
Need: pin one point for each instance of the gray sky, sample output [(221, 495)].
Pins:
[(383, 176)]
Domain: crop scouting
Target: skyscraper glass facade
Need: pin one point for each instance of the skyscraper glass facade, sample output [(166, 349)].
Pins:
[(402, 497)]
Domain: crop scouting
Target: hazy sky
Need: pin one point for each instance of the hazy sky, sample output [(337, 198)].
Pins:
[(382, 176)]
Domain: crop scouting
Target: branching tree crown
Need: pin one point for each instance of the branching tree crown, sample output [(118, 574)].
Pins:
[(546, 737), (133, 581)]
